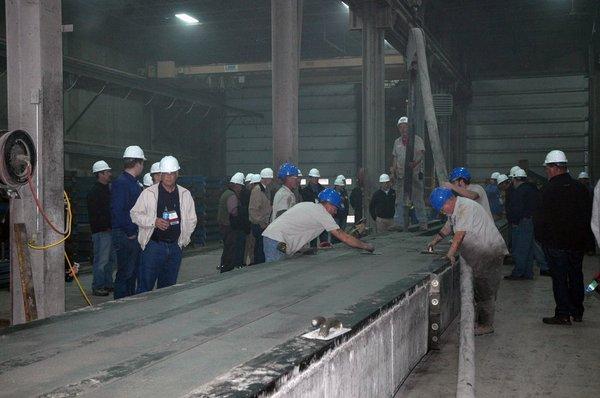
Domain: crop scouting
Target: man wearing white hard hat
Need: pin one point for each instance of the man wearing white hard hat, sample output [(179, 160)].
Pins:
[(166, 216), (228, 218), (398, 173), (339, 184), (383, 204), (562, 226), (493, 194), (124, 193), (310, 193), (155, 173), (584, 178), (147, 180), (98, 204), (259, 211)]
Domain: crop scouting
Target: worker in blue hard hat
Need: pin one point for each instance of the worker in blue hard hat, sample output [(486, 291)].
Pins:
[(295, 228), (285, 197), (480, 245), (460, 182)]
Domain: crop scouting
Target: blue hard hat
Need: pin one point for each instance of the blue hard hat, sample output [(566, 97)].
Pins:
[(287, 170), (460, 172), (332, 196), (439, 196)]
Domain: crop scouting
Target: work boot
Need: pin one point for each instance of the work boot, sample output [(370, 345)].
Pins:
[(578, 318), (480, 330), (100, 292), (557, 320)]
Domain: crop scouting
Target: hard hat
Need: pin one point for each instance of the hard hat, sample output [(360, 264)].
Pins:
[(332, 196), (340, 181), (583, 174), (237, 178), (520, 174), (299, 173), (401, 120), (495, 175), (384, 178), (555, 156), (134, 152), (255, 179), (314, 173), (460, 172), (439, 197), (266, 173), (148, 180), (99, 166), (155, 168), (513, 170), (169, 164), (501, 178), (249, 177), (287, 170)]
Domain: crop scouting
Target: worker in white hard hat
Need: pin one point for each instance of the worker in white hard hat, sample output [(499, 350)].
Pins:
[(399, 173), (341, 217), (125, 191), (259, 211), (494, 197), (147, 180), (562, 226), (383, 204), (584, 178), (310, 193), (250, 240), (155, 173), (98, 204), (228, 219), (166, 216)]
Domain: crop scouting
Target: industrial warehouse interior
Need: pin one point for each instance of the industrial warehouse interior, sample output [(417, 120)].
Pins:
[(299, 198)]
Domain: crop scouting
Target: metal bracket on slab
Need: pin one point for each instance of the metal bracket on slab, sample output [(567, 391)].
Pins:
[(435, 313)]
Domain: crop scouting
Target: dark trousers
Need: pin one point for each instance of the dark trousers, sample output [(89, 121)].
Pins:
[(228, 256), (159, 265), (128, 255), (259, 253), (567, 280)]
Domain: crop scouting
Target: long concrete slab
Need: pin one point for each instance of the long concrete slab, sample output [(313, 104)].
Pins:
[(173, 341)]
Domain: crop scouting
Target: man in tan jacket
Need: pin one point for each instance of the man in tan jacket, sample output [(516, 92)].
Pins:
[(260, 209), (166, 217)]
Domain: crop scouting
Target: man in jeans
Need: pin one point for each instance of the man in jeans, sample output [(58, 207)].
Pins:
[(98, 202), (125, 192), (562, 226), (166, 217)]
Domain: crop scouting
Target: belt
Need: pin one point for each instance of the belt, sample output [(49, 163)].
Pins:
[(163, 241)]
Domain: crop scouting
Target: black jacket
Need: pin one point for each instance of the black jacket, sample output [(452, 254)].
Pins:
[(356, 201), (383, 205), (98, 202), (241, 222), (524, 201), (563, 218), (309, 195)]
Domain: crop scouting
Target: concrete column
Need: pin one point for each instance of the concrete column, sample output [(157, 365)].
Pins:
[(35, 104), (373, 99), (286, 29)]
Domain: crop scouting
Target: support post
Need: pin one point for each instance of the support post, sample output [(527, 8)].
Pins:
[(286, 30), (35, 104)]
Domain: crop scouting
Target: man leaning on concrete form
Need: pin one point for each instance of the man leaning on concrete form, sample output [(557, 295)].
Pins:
[(125, 192), (383, 204), (166, 216), (459, 181), (480, 245), (285, 197), (259, 211)]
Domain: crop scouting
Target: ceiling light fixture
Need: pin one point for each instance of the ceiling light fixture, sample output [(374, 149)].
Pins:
[(188, 19)]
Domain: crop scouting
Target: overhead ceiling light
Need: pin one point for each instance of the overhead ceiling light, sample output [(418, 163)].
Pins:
[(346, 5), (188, 19)]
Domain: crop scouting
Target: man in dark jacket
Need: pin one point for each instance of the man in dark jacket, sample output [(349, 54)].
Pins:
[(383, 204), (98, 202), (562, 226), (310, 193)]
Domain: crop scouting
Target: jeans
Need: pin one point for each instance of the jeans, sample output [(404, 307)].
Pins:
[(104, 259), (271, 251), (416, 199), (522, 248), (567, 280), (259, 254), (128, 257), (487, 273), (160, 265)]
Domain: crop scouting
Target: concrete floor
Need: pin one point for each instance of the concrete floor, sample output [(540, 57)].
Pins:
[(524, 357)]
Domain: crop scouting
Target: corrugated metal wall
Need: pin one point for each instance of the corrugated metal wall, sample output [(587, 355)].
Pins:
[(512, 119), (328, 130)]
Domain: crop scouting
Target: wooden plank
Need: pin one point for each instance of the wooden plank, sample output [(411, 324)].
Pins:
[(27, 288)]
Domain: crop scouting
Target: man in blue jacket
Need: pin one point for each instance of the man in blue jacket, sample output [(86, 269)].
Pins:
[(125, 192)]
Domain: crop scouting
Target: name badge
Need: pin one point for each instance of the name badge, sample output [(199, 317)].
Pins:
[(173, 219)]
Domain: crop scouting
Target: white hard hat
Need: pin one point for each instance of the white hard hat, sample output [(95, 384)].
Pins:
[(99, 166), (401, 120), (169, 164), (314, 173), (501, 178), (340, 181), (520, 173), (237, 178), (249, 177), (155, 168), (134, 152), (255, 178), (513, 170), (266, 173), (555, 156), (384, 178), (148, 180), (495, 175), (299, 173), (583, 174)]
